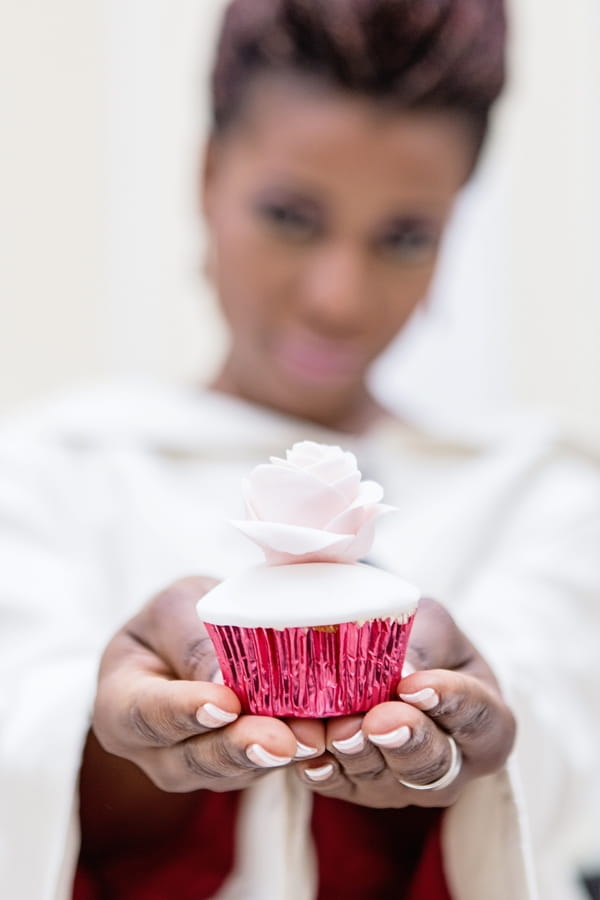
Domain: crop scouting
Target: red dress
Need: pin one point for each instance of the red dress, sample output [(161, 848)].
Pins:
[(363, 854)]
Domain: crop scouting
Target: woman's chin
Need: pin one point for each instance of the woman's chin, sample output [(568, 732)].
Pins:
[(328, 398), (325, 400)]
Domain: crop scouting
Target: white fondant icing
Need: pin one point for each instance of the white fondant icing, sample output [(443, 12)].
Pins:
[(308, 594)]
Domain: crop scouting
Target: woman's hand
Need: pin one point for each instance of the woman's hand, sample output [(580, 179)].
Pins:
[(453, 693), (158, 707)]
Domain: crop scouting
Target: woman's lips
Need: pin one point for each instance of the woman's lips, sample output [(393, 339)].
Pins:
[(318, 358)]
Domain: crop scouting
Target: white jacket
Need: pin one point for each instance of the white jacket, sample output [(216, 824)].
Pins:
[(110, 495)]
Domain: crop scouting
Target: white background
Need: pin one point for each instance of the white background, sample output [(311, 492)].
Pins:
[(103, 108)]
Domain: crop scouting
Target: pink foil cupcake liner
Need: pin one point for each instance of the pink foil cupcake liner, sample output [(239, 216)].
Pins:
[(312, 672)]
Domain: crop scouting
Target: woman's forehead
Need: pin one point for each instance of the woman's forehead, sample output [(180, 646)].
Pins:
[(303, 137)]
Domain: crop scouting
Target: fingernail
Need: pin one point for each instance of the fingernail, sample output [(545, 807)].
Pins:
[(408, 669), (320, 774), (261, 757), (425, 699), (352, 744), (217, 677), (396, 738), (303, 751), (212, 716)]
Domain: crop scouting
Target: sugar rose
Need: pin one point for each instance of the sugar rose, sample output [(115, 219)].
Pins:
[(311, 506)]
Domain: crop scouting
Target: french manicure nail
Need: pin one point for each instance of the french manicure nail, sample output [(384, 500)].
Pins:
[(352, 744), (396, 738), (320, 774), (425, 699), (261, 757), (408, 669), (212, 716), (304, 752)]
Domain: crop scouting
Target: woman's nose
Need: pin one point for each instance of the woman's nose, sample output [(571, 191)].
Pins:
[(335, 288)]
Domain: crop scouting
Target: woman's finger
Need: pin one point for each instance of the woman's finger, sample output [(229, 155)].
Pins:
[(139, 702), (325, 775), (252, 744), (470, 710), (310, 737), (436, 642), (412, 746), (152, 711), (348, 744), (170, 627)]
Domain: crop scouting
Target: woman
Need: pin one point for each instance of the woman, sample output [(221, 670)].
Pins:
[(343, 132)]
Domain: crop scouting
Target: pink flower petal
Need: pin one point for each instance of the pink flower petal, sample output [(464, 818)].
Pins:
[(349, 550), (349, 521), (292, 539), (352, 520), (277, 461), (304, 453), (293, 496), (334, 468), (349, 486), (334, 555), (368, 492), (246, 494), (362, 543)]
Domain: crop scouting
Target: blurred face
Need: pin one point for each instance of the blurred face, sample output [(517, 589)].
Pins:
[(326, 213)]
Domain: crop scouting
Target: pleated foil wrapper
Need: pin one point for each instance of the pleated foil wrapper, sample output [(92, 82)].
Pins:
[(316, 672)]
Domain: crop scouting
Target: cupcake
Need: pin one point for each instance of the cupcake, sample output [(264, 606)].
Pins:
[(312, 632)]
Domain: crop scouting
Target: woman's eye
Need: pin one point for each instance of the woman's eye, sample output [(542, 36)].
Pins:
[(409, 244), (289, 221)]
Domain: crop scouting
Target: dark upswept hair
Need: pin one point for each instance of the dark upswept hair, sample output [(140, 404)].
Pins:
[(439, 54)]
